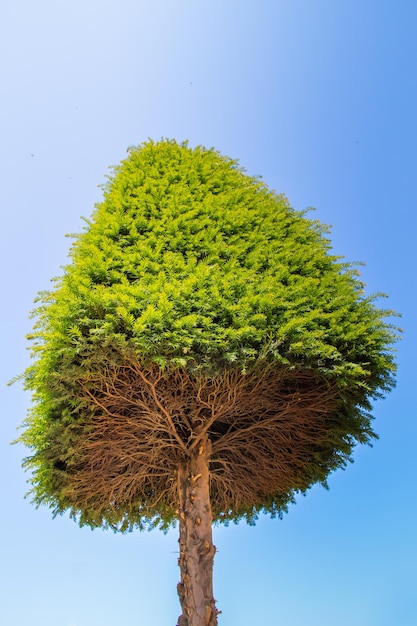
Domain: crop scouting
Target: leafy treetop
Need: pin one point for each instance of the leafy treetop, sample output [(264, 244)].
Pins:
[(190, 268)]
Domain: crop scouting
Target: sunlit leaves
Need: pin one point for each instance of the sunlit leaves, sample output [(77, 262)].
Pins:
[(190, 264)]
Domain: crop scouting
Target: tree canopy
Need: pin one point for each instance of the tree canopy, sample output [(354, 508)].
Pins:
[(198, 303)]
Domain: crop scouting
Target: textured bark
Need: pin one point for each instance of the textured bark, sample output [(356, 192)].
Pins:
[(196, 546)]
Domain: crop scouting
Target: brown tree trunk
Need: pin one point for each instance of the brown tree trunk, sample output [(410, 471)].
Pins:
[(196, 545)]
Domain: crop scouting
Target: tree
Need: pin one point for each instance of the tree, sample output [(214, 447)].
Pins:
[(204, 357)]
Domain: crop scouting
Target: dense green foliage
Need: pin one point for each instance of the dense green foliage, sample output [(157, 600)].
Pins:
[(190, 264)]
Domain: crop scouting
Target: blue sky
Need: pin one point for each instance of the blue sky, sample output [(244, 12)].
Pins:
[(320, 98)]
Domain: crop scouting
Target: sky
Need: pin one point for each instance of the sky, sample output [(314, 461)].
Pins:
[(319, 97)]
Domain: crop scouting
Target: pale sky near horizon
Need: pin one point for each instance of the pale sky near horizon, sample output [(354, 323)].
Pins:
[(319, 97)]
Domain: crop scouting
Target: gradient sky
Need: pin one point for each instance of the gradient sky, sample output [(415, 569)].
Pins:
[(320, 98)]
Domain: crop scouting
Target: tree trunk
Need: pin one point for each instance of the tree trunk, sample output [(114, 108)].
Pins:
[(196, 545)]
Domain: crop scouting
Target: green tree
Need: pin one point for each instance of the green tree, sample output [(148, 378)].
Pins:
[(202, 358)]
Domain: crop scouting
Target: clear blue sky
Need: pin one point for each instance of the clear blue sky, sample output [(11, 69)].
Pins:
[(320, 98)]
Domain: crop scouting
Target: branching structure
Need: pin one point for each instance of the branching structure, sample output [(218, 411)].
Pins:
[(203, 358), (265, 430)]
